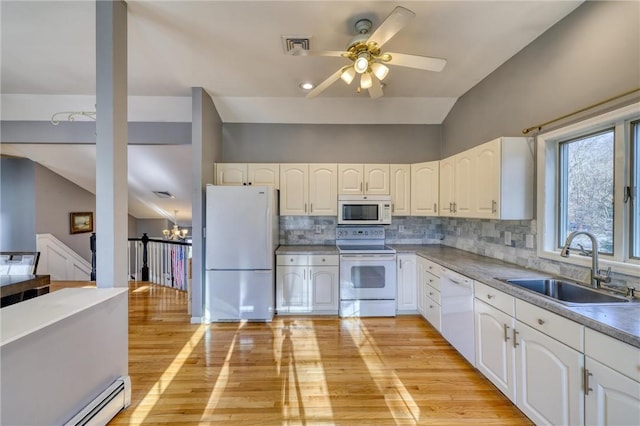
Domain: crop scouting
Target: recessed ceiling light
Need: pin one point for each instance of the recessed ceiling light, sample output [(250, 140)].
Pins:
[(306, 86)]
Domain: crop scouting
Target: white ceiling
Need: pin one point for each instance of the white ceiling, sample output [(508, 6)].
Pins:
[(233, 50)]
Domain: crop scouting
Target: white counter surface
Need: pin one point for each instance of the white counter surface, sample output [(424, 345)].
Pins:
[(24, 318)]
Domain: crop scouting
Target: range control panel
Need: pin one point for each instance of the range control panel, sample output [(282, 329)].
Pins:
[(360, 233)]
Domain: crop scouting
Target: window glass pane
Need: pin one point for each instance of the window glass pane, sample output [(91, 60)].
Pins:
[(586, 189), (634, 191)]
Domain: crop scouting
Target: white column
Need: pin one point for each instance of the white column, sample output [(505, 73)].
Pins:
[(111, 143)]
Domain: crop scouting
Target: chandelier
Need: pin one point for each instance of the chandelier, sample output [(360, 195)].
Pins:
[(175, 233)]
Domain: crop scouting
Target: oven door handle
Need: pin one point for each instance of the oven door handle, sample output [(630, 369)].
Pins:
[(368, 257)]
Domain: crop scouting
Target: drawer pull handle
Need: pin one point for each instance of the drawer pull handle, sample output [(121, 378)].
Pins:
[(430, 293), (540, 321), (585, 379), (430, 306), (506, 332), (489, 296)]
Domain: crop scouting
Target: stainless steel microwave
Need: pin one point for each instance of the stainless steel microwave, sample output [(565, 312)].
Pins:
[(364, 209)]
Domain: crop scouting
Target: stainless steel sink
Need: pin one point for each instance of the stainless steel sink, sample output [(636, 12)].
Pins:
[(565, 292)]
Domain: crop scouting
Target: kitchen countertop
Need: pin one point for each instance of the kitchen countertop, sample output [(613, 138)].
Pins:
[(621, 321), (307, 249)]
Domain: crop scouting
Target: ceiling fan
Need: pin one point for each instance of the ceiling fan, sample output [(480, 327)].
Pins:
[(368, 60)]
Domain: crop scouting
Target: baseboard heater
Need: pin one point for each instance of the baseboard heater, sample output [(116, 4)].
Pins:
[(105, 407)]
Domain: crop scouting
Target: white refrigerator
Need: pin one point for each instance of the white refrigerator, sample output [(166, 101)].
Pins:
[(240, 242)]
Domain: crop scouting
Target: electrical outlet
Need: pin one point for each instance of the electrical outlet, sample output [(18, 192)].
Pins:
[(507, 238), (401, 228), (318, 229), (529, 241)]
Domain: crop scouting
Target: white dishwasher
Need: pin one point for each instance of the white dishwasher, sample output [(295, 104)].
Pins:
[(456, 294)]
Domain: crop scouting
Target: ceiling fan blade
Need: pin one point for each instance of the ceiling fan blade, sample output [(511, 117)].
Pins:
[(302, 52), (393, 23), (375, 91), (426, 63), (322, 86)]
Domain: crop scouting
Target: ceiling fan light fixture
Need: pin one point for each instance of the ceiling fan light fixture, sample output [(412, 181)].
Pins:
[(380, 70), (348, 75), (361, 63), (366, 81)]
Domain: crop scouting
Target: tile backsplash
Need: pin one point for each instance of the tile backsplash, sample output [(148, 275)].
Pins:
[(485, 237)]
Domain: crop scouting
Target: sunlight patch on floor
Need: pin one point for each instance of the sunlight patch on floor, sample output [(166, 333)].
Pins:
[(386, 380), (162, 384), (299, 362), (221, 383)]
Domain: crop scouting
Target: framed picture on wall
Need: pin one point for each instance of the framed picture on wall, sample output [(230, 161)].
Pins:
[(81, 222)]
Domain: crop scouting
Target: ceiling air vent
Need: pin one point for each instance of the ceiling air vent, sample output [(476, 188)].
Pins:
[(293, 45), (164, 194)]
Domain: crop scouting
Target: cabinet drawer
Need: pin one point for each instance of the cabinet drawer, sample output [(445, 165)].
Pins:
[(432, 313), (495, 298), (431, 267), (323, 260), (292, 259), (564, 330), (613, 353), (432, 280), (432, 294)]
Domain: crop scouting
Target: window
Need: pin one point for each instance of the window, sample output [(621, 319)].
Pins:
[(589, 180), (586, 189)]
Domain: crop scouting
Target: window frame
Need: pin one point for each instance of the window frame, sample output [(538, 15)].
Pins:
[(548, 196)]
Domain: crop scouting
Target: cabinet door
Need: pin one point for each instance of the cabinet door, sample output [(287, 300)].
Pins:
[(495, 354), (407, 284), (292, 290), (463, 182), (425, 188), (612, 399), (323, 189), (231, 174), (376, 179), (324, 286), (447, 187), (548, 379), (400, 185), (350, 177), (294, 184), (264, 174), (486, 180)]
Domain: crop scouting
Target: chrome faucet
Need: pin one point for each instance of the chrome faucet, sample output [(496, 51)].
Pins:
[(597, 276)]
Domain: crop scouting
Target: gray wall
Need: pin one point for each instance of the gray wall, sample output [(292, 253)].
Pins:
[(17, 205), (206, 146), (591, 55), (152, 227), (56, 197), (330, 143)]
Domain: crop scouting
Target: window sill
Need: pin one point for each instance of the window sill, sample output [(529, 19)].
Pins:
[(631, 267)]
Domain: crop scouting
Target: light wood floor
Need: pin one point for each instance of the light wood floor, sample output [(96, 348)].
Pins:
[(298, 371)]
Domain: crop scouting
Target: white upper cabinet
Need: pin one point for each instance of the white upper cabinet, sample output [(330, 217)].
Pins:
[(491, 181), (400, 185), (424, 188), (503, 179), (294, 189), (308, 190), (323, 189), (376, 179), (358, 179), (257, 174)]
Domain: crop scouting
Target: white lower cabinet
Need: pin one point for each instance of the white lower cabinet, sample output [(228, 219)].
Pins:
[(612, 381), (548, 378), (307, 284), (495, 352), (407, 297), (428, 301)]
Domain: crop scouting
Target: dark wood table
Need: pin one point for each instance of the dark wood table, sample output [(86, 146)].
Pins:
[(14, 287)]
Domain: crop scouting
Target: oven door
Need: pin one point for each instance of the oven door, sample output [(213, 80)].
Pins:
[(367, 276)]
